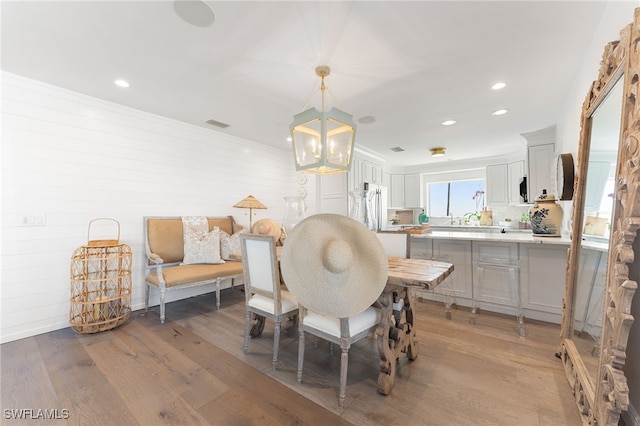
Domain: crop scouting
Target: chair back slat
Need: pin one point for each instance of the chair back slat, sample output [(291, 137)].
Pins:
[(261, 275), (396, 244)]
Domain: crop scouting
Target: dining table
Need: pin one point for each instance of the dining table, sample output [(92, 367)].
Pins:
[(396, 333)]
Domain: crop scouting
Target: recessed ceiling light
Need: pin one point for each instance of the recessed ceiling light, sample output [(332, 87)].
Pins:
[(437, 152), (499, 112), (121, 83), (448, 122), (498, 86)]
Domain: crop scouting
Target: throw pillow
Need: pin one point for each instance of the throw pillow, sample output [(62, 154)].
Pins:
[(230, 245), (200, 245)]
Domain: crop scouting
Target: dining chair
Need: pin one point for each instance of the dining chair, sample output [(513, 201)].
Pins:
[(263, 293), (395, 243), (340, 331)]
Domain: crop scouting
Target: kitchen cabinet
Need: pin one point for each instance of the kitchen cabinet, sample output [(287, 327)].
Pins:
[(372, 173), (397, 191), (422, 248), (503, 184), (497, 192), (540, 159), (333, 195), (356, 175), (542, 273), (457, 252), (412, 191), (542, 268)]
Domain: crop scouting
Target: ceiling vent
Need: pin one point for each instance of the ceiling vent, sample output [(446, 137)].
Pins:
[(396, 149), (217, 123)]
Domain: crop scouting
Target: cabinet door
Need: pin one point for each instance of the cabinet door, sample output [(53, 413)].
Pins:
[(497, 189), (540, 171), (495, 273), (333, 194), (457, 252), (412, 191), (421, 248), (397, 191), (515, 173), (542, 271)]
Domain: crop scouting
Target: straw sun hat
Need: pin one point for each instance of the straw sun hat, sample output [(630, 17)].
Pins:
[(333, 265), (267, 227)]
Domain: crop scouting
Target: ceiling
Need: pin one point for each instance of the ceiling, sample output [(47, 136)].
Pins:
[(410, 65)]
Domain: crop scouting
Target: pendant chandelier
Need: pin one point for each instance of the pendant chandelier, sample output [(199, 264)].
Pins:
[(323, 141)]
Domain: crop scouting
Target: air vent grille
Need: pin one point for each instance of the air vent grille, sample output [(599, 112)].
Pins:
[(396, 149), (217, 123)]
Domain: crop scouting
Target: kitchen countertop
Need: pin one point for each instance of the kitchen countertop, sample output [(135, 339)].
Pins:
[(509, 237)]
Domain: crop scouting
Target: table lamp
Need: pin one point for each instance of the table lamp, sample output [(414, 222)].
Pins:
[(250, 203)]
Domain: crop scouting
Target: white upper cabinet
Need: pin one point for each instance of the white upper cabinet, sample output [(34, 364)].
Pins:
[(397, 191), (497, 192), (412, 191), (540, 172), (540, 155)]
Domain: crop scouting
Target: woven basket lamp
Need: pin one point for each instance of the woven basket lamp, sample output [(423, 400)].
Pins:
[(250, 203)]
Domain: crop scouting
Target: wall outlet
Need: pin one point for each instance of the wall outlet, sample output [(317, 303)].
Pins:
[(30, 219)]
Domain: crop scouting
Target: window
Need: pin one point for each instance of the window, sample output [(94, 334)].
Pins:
[(456, 198)]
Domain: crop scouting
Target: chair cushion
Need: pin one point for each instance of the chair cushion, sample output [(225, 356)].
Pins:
[(331, 325), (187, 274), (265, 304)]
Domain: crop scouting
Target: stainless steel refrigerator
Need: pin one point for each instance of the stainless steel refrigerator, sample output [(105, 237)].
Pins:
[(376, 205)]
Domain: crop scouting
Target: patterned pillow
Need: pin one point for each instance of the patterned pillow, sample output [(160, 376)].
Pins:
[(200, 245), (230, 245)]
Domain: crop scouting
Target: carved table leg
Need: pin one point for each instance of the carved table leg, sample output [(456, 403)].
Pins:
[(396, 335)]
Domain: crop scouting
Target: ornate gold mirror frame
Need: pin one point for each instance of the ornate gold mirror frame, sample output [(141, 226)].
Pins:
[(602, 402)]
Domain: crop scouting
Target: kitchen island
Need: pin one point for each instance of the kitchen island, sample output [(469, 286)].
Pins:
[(490, 267)]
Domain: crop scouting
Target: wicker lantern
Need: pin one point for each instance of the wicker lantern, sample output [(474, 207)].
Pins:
[(100, 284)]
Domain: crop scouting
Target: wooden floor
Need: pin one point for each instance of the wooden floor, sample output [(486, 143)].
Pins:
[(192, 370)]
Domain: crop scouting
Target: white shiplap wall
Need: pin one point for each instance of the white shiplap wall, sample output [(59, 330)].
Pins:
[(75, 158)]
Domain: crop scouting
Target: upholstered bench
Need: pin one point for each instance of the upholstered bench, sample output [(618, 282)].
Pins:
[(165, 268)]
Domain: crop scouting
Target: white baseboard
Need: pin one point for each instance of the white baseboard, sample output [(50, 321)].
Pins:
[(631, 417)]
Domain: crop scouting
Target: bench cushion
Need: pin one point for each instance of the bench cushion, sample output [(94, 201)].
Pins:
[(187, 274)]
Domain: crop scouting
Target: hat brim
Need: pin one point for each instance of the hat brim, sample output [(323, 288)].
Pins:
[(339, 293)]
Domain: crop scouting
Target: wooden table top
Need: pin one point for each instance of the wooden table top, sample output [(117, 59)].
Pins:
[(422, 273)]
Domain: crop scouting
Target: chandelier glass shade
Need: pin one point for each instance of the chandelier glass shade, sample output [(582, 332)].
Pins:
[(323, 141)]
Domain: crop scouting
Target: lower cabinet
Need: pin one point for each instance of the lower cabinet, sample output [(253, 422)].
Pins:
[(490, 273)]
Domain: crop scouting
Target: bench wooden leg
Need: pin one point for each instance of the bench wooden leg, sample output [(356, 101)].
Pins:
[(161, 306), (217, 293), (146, 297)]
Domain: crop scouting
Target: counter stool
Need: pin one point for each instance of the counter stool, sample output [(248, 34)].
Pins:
[(447, 289), (513, 269)]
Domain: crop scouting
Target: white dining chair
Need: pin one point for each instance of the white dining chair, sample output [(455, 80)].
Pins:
[(262, 289), (340, 331), (395, 243)]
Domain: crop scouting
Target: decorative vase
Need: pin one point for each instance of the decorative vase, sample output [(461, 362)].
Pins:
[(546, 216), (293, 213)]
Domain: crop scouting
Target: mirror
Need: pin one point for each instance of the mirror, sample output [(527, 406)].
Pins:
[(605, 220), (596, 218)]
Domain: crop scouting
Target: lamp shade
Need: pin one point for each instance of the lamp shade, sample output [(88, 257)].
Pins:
[(250, 202), (323, 142)]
